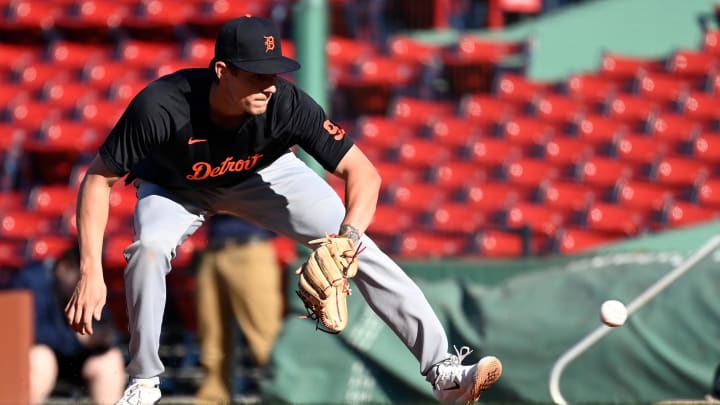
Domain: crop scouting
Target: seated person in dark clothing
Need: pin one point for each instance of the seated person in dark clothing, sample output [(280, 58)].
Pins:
[(59, 354)]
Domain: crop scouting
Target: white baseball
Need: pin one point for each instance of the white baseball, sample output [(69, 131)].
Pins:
[(613, 313)]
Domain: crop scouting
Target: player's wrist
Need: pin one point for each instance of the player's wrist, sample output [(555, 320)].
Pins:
[(351, 232)]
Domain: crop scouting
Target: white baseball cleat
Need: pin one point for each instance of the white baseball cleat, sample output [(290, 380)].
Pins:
[(141, 391), (454, 383)]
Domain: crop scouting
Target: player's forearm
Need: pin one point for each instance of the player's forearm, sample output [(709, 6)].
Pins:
[(361, 195), (92, 217)]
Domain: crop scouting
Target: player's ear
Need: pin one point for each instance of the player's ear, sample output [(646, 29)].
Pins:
[(219, 68)]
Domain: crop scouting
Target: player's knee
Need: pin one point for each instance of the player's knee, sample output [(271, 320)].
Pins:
[(150, 250)]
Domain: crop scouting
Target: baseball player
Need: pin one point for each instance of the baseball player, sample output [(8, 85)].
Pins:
[(203, 141)]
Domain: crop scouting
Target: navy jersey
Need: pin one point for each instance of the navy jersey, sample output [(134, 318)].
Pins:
[(166, 136)]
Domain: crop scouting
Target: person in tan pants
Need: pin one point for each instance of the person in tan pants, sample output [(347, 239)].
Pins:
[(238, 279)]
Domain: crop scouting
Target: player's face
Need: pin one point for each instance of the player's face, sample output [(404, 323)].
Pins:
[(251, 92)]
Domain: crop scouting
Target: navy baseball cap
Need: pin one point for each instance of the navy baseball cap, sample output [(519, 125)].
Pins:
[(253, 44)]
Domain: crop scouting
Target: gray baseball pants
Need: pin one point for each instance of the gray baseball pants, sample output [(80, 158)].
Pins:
[(290, 199)]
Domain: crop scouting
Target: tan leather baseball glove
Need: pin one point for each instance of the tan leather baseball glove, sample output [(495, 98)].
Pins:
[(323, 285)]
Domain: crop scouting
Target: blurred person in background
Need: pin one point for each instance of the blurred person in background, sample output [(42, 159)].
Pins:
[(238, 279), (59, 356)]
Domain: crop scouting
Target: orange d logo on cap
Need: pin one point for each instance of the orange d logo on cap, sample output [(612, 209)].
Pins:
[(269, 43)]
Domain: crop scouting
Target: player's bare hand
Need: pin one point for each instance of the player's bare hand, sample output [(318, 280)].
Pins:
[(86, 303)]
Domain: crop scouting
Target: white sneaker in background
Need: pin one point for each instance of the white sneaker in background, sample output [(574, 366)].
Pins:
[(457, 384), (141, 391)]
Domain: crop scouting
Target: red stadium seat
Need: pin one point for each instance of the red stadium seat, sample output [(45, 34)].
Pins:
[(67, 95), (24, 224), (26, 21), (474, 48), (390, 221), (455, 218), (343, 53), (575, 240), (526, 131), (113, 257), (125, 88), (540, 219), (594, 88), (638, 149), (100, 113), (394, 174), (13, 55), (48, 246), (622, 66), (596, 129), (711, 41), (201, 50), (519, 88), (565, 196), (35, 74), (559, 108), (692, 63), (665, 88), (707, 193), (66, 136), (487, 108), (385, 70), (157, 19), (489, 197), (642, 195), (674, 127), (123, 199), (454, 174), (613, 219), (406, 48), (92, 19), (683, 213), (33, 114), (563, 151), (420, 244), (454, 132), (421, 153), (492, 152), (137, 53), (75, 55), (706, 147), (701, 106), (599, 171), (679, 172), (416, 197), (102, 75), (527, 172), (412, 110), (494, 243), (631, 108), (52, 199), (382, 131), (209, 15)]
